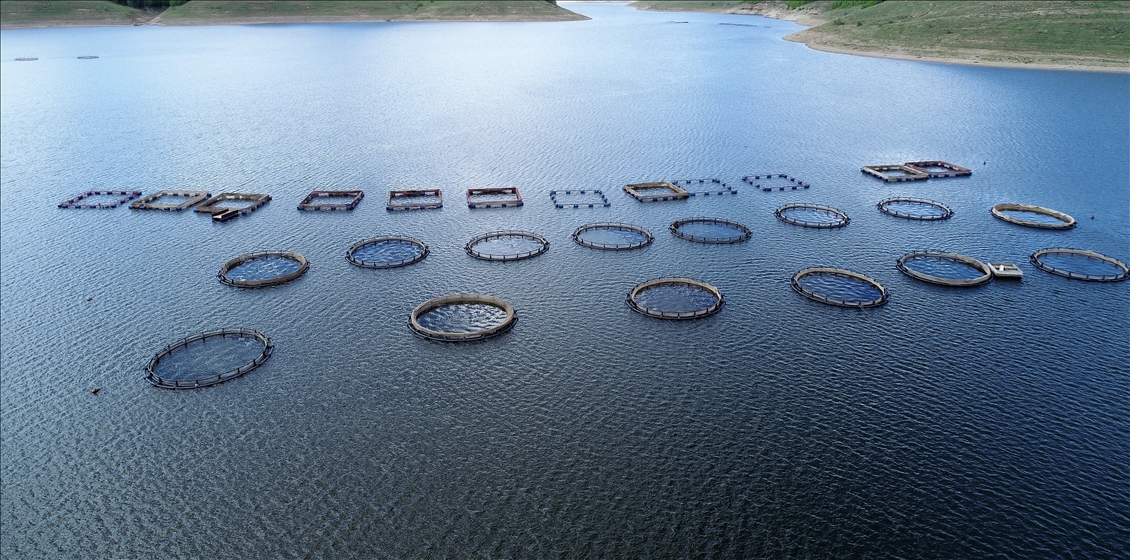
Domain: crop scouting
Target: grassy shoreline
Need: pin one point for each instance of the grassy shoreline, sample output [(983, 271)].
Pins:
[(22, 14), (1060, 35)]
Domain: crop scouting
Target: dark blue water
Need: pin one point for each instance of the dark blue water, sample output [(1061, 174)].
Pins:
[(947, 423)]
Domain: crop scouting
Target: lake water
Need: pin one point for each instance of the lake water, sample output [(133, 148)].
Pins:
[(982, 422)]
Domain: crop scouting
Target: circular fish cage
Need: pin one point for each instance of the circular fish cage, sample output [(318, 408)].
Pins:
[(612, 236), (387, 251), (836, 286), (945, 269), (812, 216), (462, 318), (710, 230), (1032, 216), (1080, 264), (260, 270), (675, 298), (173, 367), (914, 208), (506, 246)]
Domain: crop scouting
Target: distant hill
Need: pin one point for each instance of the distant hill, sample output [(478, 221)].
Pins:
[(69, 13)]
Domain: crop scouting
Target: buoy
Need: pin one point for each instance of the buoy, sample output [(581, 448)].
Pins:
[(92, 299), (95, 390), (1092, 216)]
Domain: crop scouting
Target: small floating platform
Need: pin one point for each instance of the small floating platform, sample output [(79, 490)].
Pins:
[(895, 173), (392, 205), (513, 202), (77, 202), (87, 57), (1006, 271), (309, 203), (188, 199), (223, 213), (561, 204), (756, 180), (666, 191), (712, 186), (939, 169)]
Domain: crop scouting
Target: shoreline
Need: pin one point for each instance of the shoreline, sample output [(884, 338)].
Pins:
[(809, 19), (60, 24)]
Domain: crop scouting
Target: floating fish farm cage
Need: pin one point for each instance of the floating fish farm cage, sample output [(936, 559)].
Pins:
[(500, 322), (672, 308), (284, 265), (708, 186), (936, 169), (822, 282), (310, 203), (822, 216), (389, 251), (895, 173), (1080, 264), (1037, 216), (401, 200), (512, 198), (762, 182), (710, 230), (183, 345), (122, 197), (188, 199), (222, 213), (598, 199), (912, 208), (951, 261), (536, 243), (612, 236), (658, 191)]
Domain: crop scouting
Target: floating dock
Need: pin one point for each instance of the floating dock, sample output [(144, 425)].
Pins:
[(499, 203), (713, 186), (188, 200), (756, 180), (77, 202), (222, 214), (884, 172), (669, 191), (393, 196), (937, 169), (604, 199), (1006, 271), (308, 203)]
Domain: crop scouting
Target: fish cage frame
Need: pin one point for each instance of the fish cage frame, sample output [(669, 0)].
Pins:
[(912, 174), (604, 199), (192, 198), (954, 170), (677, 316), (861, 304), (985, 278), (440, 336), (796, 182), (469, 247), (266, 282), (612, 246), (677, 193), (746, 233), (500, 203), (393, 264), (307, 203), (76, 202), (393, 195), (686, 184), (1035, 259), (844, 219), (882, 206), (998, 212), (157, 381), (255, 200)]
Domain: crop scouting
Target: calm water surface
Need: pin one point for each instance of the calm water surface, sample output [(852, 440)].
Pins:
[(949, 423)]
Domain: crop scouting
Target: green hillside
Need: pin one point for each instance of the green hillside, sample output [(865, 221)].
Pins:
[(203, 12), (65, 13)]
